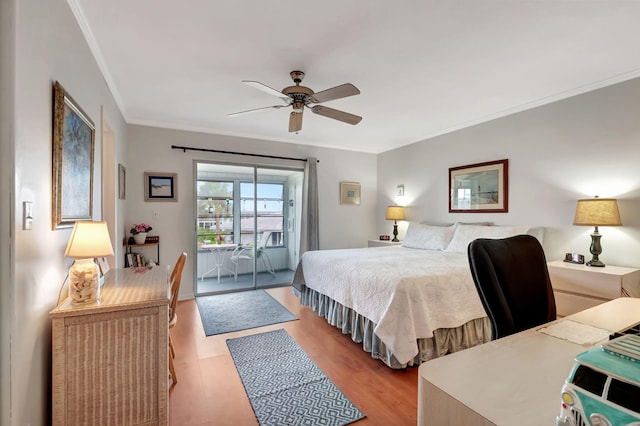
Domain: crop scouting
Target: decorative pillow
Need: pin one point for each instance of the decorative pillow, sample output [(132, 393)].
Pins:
[(464, 234), (428, 237), (426, 222)]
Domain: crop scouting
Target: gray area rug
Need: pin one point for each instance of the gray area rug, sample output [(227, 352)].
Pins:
[(224, 313), (285, 386)]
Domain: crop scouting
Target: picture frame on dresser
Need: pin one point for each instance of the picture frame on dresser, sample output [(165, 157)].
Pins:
[(103, 264), (479, 188), (73, 161)]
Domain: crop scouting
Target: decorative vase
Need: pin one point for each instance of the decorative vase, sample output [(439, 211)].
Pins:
[(140, 237), (84, 282)]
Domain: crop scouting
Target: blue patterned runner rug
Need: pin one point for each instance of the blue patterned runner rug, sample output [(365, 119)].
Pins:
[(224, 313), (285, 387)]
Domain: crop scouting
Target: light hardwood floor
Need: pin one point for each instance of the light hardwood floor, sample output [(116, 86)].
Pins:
[(209, 390)]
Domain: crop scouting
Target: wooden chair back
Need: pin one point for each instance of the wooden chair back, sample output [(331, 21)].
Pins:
[(174, 281)]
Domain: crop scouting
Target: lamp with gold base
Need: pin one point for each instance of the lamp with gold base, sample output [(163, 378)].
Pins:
[(597, 212)]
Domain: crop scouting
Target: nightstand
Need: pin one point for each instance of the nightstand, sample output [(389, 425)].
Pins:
[(577, 287), (381, 243)]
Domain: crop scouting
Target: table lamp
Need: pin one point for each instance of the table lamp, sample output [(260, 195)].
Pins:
[(597, 212), (88, 241), (395, 213)]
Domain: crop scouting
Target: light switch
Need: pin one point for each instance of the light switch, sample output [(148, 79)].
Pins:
[(27, 215)]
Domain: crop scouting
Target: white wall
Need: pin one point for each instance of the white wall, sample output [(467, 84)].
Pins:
[(576, 148), (7, 50), (149, 150), (49, 46)]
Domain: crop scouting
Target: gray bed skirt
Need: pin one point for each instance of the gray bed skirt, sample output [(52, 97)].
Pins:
[(444, 340)]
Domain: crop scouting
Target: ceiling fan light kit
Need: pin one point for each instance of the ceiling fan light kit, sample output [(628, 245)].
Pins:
[(298, 97)]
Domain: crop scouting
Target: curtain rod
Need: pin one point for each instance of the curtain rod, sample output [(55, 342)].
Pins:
[(186, 148)]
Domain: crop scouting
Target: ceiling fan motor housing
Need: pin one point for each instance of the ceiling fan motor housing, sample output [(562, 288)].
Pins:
[(297, 76), (300, 95)]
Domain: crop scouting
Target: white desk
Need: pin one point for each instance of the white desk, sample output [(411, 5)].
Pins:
[(217, 250), (515, 380)]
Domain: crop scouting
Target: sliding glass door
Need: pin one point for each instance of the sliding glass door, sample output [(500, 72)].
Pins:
[(246, 236)]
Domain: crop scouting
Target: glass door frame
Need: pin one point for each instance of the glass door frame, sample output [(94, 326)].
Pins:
[(237, 216)]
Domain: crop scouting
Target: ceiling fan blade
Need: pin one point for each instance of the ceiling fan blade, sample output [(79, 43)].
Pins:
[(337, 92), (336, 114), (295, 121), (235, 114), (267, 89)]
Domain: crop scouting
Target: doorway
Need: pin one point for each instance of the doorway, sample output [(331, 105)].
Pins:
[(246, 235)]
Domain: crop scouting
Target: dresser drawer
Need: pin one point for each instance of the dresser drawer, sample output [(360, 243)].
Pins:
[(606, 282), (585, 282), (567, 303)]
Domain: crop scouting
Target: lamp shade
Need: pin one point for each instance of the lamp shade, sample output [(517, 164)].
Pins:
[(395, 213), (88, 240), (597, 212)]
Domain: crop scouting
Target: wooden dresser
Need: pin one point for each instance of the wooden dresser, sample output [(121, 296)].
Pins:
[(110, 362)]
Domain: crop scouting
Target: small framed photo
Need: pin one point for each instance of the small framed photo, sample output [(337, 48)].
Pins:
[(160, 186), (103, 265), (479, 188), (122, 182), (574, 258), (350, 193)]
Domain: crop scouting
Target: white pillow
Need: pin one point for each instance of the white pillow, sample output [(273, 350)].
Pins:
[(428, 237), (466, 233), (426, 222)]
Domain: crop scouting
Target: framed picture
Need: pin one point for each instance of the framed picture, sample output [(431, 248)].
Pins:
[(103, 264), (160, 186), (350, 193), (479, 188), (73, 145), (122, 182)]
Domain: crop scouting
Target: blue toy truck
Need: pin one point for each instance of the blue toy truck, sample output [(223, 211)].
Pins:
[(603, 388)]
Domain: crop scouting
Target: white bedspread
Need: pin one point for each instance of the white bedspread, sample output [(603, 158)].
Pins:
[(408, 293)]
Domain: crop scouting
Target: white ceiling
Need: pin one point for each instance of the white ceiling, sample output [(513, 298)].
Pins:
[(424, 67)]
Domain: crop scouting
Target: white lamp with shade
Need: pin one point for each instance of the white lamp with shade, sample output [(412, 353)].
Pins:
[(88, 241)]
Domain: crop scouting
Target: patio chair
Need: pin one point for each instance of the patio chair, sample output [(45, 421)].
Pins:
[(246, 253)]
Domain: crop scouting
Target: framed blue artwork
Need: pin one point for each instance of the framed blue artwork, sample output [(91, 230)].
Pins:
[(73, 161)]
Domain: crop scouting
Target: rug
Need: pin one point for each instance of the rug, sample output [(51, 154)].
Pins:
[(285, 387), (224, 313)]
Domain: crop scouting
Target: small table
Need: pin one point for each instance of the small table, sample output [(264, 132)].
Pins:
[(110, 359), (217, 250), (577, 287)]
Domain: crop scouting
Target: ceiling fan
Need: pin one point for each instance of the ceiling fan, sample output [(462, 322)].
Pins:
[(298, 97)]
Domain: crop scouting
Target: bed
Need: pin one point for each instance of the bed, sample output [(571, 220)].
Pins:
[(405, 304)]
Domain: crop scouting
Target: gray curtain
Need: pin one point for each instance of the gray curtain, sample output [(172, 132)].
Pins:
[(309, 232)]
